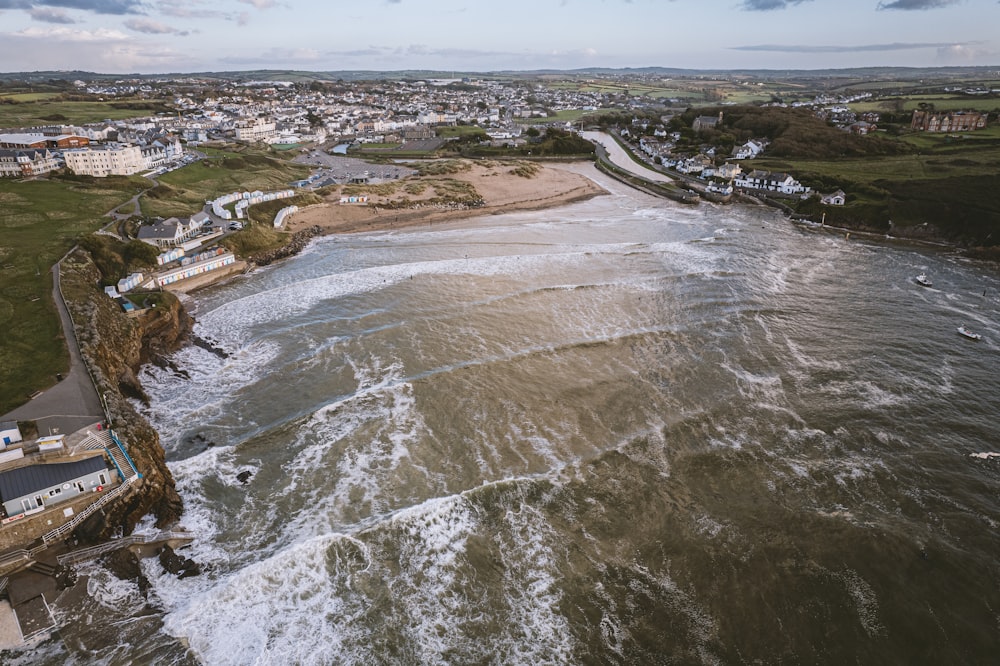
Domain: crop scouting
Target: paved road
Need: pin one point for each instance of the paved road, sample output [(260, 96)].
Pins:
[(620, 158), (71, 404)]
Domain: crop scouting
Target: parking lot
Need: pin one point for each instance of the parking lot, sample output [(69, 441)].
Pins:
[(342, 169)]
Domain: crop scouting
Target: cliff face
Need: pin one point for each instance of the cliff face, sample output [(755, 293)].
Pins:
[(114, 346)]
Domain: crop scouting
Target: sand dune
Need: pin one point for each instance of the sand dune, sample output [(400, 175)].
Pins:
[(501, 189)]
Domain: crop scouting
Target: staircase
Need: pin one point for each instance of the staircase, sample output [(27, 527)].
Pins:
[(116, 451), (43, 568), (97, 440)]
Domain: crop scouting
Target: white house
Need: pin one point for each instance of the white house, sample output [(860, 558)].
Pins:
[(748, 150), (172, 231), (772, 182), (729, 171), (9, 432), (837, 198)]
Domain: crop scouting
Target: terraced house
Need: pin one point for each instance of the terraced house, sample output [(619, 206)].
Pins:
[(26, 163), (949, 121)]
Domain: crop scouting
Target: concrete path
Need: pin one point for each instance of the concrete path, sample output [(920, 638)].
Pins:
[(71, 404), (622, 159)]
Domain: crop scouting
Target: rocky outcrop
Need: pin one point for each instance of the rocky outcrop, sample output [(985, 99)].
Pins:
[(297, 243), (114, 346)]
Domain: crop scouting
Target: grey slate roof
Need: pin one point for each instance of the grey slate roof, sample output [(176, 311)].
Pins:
[(28, 480), (166, 229)]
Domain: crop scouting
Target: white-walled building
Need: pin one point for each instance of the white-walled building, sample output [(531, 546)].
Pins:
[(172, 231), (9, 432), (256, 129), (109, 160)]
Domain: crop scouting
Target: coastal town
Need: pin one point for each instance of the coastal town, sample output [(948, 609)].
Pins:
[(63, 458)]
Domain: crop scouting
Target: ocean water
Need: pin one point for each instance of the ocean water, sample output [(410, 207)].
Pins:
[(620, 432)]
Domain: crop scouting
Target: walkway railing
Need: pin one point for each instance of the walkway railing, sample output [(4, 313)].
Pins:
[(128, 459), (96, 551), (99, 440), (62, 531)]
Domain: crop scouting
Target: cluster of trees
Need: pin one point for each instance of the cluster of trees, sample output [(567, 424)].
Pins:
[(793, 133), (559, 142), (115, 259)]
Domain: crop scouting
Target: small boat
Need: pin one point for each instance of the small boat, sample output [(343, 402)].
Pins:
[(962, 330), (922, 280)]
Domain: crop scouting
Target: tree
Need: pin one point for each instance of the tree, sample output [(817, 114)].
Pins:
[(139, 254)]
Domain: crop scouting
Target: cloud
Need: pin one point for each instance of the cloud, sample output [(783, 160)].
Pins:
[(151, 27), (259, 4), (965, 53), (768, 5), (49, 15), (188, 9), (97, 6), (815, 48), (98, 50), (910, 5), (71, 35), (277, 56)]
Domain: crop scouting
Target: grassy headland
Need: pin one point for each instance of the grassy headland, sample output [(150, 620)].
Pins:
[(184, 191), (40, 221)]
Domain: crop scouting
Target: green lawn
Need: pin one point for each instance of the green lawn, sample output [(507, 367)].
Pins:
[(184, 192), (39, 221), (938, 156), (47, 112), (909, 103), (29, 96)]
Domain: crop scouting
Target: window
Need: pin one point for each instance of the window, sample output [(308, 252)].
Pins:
[(54, 492), (104, 480)]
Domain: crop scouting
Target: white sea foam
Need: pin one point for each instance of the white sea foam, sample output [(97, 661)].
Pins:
[(298, 604), (865, 601), (110, 592), (209, 392), (313, 601), (233, 322), (764, 389)]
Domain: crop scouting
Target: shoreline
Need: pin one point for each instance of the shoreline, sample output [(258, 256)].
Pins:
[(502, 192)]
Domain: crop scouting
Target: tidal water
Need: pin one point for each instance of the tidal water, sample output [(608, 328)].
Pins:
[(620, 432)]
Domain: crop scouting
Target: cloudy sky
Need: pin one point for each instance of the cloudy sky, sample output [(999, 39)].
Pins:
[(150, 36)]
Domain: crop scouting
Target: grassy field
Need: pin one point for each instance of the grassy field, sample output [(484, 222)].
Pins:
[(909, 103), (562, 116), (40, 221), (184, 192), (46, 112), (939, 156), (948, 187), (29, 96)]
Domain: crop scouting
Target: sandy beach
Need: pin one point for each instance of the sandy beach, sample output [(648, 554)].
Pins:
[(500, 188)]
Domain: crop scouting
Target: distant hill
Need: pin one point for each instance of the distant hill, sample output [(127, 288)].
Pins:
[(872, 73)]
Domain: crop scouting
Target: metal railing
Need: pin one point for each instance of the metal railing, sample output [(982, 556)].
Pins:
[(128, 458), (63, 530), (134, 539)]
